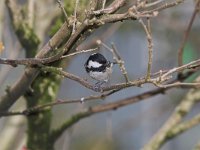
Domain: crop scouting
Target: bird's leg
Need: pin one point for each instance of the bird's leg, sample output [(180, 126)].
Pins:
[(98, 86)]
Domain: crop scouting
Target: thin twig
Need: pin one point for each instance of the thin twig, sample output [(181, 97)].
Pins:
[(113, 7), (186, 34), (75, 16), (150, 46), (63, 10), (103, 4), (162, 7), (179, 84), (38, 61), (153, 3), (41, 108), (120, 62), (117, 58), (190, 65), (79, 52), (147, 29)]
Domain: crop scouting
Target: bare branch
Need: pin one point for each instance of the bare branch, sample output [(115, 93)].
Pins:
[(120, 62), (186, 34), (75, 16), (41, 108), (180, 128), (113, 7), (63, 10), (192, 97), (150, 46), (164, 6), (79, 52), (38, 61), (117, 58), (197, 147)]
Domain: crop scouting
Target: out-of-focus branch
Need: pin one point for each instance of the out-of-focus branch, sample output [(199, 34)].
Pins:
[(186, 34), (197, 147), (63, 10), (161, 137), (182, 127)]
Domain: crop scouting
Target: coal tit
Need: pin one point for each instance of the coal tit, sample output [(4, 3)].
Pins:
[(98, 68)]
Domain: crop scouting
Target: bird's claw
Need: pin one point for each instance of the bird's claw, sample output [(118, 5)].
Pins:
[(98, 87)]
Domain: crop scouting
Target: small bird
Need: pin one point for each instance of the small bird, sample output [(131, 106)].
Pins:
[(98, 68)]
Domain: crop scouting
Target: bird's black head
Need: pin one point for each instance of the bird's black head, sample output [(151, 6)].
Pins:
[(96, 62)]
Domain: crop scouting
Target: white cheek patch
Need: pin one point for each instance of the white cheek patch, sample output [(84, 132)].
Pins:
[(94, 64)]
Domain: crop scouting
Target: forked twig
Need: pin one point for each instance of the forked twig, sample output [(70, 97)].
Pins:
[(117, 58), (63, 10), (75, 16)]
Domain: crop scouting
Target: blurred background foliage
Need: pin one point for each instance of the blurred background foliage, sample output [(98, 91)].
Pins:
[(127, 128)]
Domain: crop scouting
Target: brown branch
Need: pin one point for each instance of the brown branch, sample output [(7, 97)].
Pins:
[(155, 80), (38, 61), (116, 57), (103, 36), (164, 6), (63, 10), (197, 147), (120, 62), (186, 34), (75, 16), (41, 108), (150, 46), (140, 97), (184, 126), (113, 7), (192, 97), (102, 108)]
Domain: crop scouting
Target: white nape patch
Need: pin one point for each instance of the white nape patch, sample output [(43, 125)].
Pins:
[(94, 64)]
